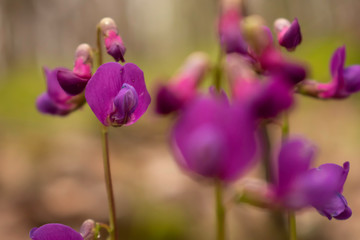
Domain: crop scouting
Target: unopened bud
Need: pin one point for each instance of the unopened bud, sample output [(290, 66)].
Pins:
[(85, 52), (256, 33), (288, 34), (107, 24), (113, 42), (87, 229)]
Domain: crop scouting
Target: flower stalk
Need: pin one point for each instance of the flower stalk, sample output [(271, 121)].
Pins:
[(98, 45), (108, 183), (292, 225), (220, 211)]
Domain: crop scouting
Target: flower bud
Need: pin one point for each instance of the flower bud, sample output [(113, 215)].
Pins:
[(256, 33), (83, 60), (231, 38), (87, 229), (113, 42), (288, 34)]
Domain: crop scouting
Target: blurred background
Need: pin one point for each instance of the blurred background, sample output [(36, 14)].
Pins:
[(51, 167)]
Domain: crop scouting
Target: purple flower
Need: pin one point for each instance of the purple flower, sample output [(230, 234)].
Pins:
[(213, 139), (273, 62), (267, 98), (74, 82), (288, 34), (182, 88), (231, 38), (117, 94), (113, 42), (55, 100), (298, 186), (54, 231), (272, 97), (345, 81)]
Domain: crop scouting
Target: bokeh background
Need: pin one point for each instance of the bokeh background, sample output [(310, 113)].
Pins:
[(51, 167)]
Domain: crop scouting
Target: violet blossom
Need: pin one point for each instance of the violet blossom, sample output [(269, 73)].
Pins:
[(74, 82), (298, 186), (288, 34), (214, 139), (113, 42), (345, 80), (55, 100), (117, 94), (183, 87)]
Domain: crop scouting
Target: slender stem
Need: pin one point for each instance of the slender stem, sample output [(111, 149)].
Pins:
[(266, 153), (218, 70), (292, 226), (108, 183), (285, 127), (220, 211), (98, 45)]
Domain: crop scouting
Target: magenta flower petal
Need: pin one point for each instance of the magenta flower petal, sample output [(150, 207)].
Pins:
[(295, 158), (53, 87), (54, 231), (272, 98), (167, 101), (47, 106), (104, 87), (335, 88), (352, 78), (71, 83), (337, 208), (213, 139)]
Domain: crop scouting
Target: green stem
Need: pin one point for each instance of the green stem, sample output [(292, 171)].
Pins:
[(220, 211), (285, 127), (108, 183), (98, 46), (218, 71), (266, 153), (292, 226)]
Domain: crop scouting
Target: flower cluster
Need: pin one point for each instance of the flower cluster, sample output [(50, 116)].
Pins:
[(116, 94), (216, 138)]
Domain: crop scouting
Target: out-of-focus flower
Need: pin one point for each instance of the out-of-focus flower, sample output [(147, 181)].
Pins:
[(298, 186), (288, 34), (54, 231), (74, 82), (182, 88), (273, 62), (272, 97), (267, 98), (117, 94), (230, 34), (55, 100), (113, 42), (214, 139), (345, 81)]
